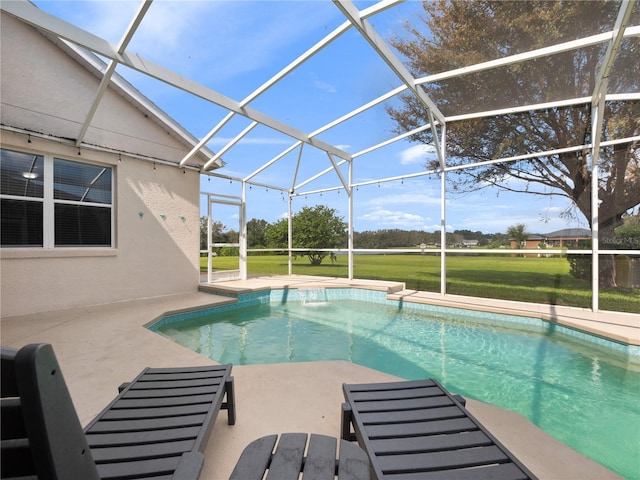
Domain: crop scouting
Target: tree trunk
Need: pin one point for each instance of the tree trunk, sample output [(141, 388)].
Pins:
[(607, 270)]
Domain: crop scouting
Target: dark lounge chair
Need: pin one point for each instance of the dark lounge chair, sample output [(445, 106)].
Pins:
[(418, 430), (157, 427)]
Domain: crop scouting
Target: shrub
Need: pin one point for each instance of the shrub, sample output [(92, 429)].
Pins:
[(580, 265)]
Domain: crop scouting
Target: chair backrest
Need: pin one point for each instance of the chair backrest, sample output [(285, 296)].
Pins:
[(41, 432)]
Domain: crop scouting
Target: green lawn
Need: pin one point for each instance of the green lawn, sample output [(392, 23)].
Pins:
[(537, 280)]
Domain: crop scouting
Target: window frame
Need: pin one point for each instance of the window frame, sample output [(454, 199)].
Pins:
[(49, 204)]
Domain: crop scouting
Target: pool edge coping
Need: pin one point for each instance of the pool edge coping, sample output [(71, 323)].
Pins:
[(587, 327)]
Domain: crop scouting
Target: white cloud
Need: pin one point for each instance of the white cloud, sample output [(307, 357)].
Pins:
[(417, 154), (206, 40), (393, 219), (320, 85), (495, 214), (240, 28), (405, 199), (108, 20)]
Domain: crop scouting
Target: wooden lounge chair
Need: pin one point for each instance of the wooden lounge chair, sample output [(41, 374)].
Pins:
[(418, 430), (157, 427)]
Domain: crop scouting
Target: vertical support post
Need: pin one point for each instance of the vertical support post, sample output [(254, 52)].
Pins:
[(243, 233), (596, 129), (597, 116), (209, 246), (350, 233), (290, 236), (443, 213)]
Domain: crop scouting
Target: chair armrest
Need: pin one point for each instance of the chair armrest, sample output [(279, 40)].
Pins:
[(345, 423), (460, 399)]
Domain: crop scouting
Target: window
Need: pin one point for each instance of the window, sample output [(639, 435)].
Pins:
[(51, 202)]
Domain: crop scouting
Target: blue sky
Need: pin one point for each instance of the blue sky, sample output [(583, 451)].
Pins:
[(234, 46)]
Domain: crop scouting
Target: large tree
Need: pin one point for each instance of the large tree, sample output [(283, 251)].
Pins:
[(518, 233), (312, 227), (217, 229), (256, 233), (454, 34)]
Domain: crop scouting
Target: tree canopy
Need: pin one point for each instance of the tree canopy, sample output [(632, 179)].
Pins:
[(312, 227), (454, 34), (518, 233)]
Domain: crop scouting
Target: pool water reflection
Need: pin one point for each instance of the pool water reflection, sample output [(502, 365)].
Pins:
[(583, 394)]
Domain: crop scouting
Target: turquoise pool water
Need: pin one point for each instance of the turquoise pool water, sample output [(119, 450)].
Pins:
[(584, 394)]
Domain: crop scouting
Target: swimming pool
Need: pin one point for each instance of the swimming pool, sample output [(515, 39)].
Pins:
[(578, 388)]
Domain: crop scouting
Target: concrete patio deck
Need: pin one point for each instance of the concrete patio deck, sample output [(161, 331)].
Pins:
[(102, 346)]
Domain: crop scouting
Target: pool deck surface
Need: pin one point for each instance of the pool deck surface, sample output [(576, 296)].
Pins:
[(100, 347)]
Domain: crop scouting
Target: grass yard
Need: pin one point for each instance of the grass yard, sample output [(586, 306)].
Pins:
[(536, 280)]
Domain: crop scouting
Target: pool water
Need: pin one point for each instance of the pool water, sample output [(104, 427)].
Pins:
[(585, 395)]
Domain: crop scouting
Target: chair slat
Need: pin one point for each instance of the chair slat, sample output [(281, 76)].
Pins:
[(320, 463), (287, 463)]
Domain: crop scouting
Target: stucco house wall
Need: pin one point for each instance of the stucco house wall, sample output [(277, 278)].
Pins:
[(156, 222)]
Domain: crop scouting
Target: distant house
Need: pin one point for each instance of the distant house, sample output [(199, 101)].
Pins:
[(565, 238), (532, 241)]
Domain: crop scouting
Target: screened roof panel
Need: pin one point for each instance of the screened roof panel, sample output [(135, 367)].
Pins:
[(340, 78), (625, 71), (241, 159), (296, 67), (194, 113), (502, 35), (541, 80), (227, 46), (375, 127)]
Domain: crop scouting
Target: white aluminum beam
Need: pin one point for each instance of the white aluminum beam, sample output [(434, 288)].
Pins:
[(329, 126), (592, 40), (408, 176), (337, 32), (339, 173), (230, 144), (596, 126), (492, 113), (377, 43), (443, 220), (469, 165), (198, 146), (533, 54), (111, 68), (130, 90), (317, 175), (295, 174), (29, 13), (617, 34), (391, 140), (273, 160), (271, 82)]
